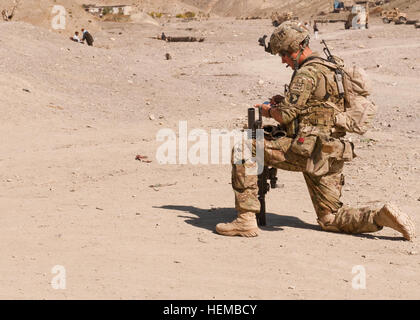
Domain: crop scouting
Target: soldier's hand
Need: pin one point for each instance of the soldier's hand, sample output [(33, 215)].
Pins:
[(264, 109)]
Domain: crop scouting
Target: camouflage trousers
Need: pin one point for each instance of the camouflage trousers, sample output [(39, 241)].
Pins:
[(325, 190)]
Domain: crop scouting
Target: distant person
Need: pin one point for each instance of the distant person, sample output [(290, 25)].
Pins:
[(88, 37), (76, 38), (316, 30), (9, 16)]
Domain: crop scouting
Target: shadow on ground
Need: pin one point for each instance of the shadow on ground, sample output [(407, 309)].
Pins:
[(208, 218)]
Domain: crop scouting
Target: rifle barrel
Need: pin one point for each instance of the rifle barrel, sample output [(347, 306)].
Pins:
[(251, 118)]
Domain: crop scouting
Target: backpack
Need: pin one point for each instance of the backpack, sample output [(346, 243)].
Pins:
[(359, 110)]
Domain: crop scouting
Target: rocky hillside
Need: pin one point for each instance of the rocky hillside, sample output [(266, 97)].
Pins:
[(306, 9), (39, 12)]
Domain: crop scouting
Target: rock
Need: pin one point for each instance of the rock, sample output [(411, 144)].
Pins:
[(412, 253), (260, 82), (140, 157), (168, 56), (291, 287), (158, 185), (151, 117)]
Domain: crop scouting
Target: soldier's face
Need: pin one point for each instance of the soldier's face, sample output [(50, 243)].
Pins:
[(287, 59)]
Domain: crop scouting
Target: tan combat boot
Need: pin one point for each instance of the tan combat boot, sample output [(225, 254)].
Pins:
[(392, 217), (245, 225)]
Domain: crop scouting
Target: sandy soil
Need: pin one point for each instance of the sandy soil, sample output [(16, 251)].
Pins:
[(72, 194)]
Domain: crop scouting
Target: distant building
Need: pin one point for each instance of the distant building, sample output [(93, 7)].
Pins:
[(101, 10), (342, 5)]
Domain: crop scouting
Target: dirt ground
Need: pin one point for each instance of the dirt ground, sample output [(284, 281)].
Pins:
[(72, 194)]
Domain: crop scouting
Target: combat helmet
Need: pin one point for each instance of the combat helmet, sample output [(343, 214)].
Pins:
[(288, 37)]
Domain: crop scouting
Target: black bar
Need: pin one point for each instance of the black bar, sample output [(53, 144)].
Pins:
[(202, 309)]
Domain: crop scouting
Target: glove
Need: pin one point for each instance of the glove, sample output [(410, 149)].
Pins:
[(277, 99)]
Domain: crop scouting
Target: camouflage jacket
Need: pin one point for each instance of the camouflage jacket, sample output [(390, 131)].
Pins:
[(307, 102)]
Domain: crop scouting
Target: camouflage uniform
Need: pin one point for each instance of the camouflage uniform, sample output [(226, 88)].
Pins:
[(305, 102), (315, 147)]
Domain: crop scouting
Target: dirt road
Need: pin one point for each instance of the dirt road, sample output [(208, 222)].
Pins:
[(72, 194)]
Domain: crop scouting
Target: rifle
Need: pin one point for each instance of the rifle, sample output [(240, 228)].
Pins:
[(338, 72), (267, 173)]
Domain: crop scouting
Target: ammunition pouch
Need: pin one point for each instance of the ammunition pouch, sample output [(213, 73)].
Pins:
[(304, 145), (322, 116), (326, 151)]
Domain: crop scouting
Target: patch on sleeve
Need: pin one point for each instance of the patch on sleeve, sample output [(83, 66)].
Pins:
[(297, 86), (294, 98)]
